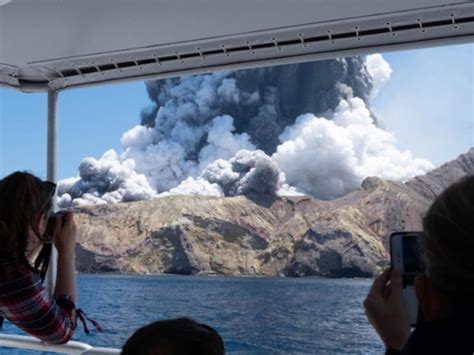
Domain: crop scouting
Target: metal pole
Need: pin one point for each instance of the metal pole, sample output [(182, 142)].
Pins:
[(52, 133), (52, 169)]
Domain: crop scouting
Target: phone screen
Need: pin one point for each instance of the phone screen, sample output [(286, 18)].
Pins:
[(406, 256), (411, 255)]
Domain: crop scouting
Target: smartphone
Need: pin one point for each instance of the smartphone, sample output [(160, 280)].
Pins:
[(405, 255)]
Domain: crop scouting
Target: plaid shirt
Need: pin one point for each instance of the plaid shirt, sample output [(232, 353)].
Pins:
[(23, 301)]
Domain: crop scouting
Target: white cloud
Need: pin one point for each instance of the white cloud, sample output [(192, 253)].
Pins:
[(379, 70), (328, 158)]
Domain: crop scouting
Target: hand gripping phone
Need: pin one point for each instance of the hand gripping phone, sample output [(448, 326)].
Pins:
[(405, 256)]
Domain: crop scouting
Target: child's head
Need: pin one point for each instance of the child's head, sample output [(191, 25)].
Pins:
[(182, 336)]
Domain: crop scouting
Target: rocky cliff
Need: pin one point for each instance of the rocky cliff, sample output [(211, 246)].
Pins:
[(431, 184), (259, 234)]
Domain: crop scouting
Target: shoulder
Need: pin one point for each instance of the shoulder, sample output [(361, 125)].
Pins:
[(447, 336)]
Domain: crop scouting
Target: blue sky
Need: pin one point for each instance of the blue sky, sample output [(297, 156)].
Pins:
[(428, 104)]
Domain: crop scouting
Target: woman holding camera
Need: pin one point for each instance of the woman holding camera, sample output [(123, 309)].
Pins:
[(445, 293), (25, 204)]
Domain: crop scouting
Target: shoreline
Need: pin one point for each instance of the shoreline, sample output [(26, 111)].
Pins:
[(216, 276)]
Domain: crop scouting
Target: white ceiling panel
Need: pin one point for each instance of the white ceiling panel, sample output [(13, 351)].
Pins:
[(56, 44)]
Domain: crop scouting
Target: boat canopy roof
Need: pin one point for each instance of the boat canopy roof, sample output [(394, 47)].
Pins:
[(57, 44)]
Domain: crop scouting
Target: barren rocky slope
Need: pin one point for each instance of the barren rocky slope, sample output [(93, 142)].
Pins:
[(431, 184), (259, 235)]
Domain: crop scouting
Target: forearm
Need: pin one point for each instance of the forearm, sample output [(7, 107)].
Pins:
[(66, 276), (31, 309)]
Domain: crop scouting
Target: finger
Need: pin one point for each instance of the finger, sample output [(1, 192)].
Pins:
[(379, 283), (67, 215), (68, 218), (396, 281), (57, 225), (387, 291)]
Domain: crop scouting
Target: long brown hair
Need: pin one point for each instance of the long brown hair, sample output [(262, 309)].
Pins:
[(23, 197), (448, 241)]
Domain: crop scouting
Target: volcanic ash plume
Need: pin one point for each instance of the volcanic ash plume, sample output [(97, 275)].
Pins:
[(248, 171), (107, 180), (303, 128), (328, 158)]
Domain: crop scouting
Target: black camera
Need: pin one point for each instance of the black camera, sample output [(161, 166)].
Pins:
[(48, 235)]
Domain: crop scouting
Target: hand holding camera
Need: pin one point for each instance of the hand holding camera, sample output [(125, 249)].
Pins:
[(63, 230)]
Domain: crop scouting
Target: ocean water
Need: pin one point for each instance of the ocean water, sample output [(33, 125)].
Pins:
[(253, 315)]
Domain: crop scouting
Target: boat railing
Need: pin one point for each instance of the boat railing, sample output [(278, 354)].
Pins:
[(71, 347)]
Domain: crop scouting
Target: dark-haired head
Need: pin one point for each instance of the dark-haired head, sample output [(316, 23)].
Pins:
[(25, 202), (182, 336), (448, 244)]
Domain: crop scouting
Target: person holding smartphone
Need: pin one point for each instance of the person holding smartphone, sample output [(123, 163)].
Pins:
[(445, 292)]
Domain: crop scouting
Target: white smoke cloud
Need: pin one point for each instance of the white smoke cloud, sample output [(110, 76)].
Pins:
[(328, 158), (138, 137), (107, 180), (187, 136), (198, 186), (222, 144), (65, 185), (380, 72), (145, 168), (246, 172), (193, 147)]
